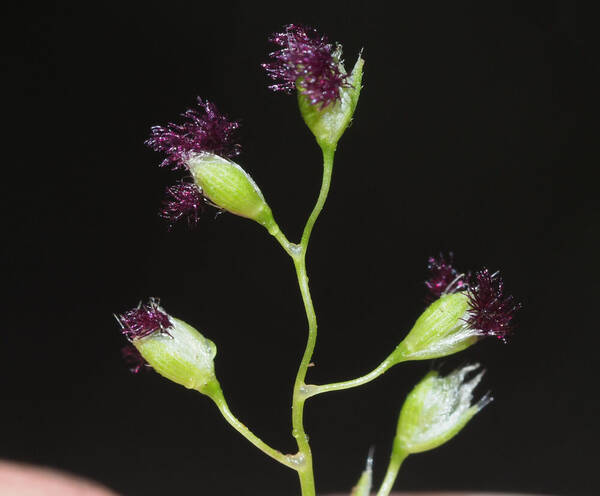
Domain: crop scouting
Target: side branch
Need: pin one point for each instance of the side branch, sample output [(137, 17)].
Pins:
[(292, 249), (398, 456), (313, 390), (219, 399)]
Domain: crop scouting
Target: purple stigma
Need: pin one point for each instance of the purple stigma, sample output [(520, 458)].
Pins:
[(204, 131), (444, 278), (133, 359), (143, 320), (183, 201), (308, 60), (491, 312)]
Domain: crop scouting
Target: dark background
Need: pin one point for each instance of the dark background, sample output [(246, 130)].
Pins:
[(476, 132)]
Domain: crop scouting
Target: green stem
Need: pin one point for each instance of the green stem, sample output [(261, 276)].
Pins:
[(306, 474), (305, 470), (328, 153), (313, 390), (288, 460), (292, 249), (398, 456)]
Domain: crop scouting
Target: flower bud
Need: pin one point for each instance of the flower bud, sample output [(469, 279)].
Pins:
[(173, 348), (183, 355), (329, 123), (466, 309), (307, 62), (441, 330), (203, 145), (437, 409), (225, 184)]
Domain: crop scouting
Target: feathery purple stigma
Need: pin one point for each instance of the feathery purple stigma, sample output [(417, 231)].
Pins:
[(491, 312), (133, 359), (444, 276), (184, 200), (307, 59), (143, 320), (207, 131)]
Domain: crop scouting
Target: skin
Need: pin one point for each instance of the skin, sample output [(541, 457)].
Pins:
[(24, 480)]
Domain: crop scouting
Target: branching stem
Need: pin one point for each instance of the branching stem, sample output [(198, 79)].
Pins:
[(307, 482), (298, 254), (301, 461)]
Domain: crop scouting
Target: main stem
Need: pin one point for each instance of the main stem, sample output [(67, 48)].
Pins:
[(305, 470)]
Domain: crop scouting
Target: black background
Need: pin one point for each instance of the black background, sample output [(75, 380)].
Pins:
[(476, 132)]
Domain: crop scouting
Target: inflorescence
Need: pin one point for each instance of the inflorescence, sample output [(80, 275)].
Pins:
[(490, 311), (143, 320), (184, 201), (444, 277), (206, 131), (133, 359), (462, 307), (306, 61)]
